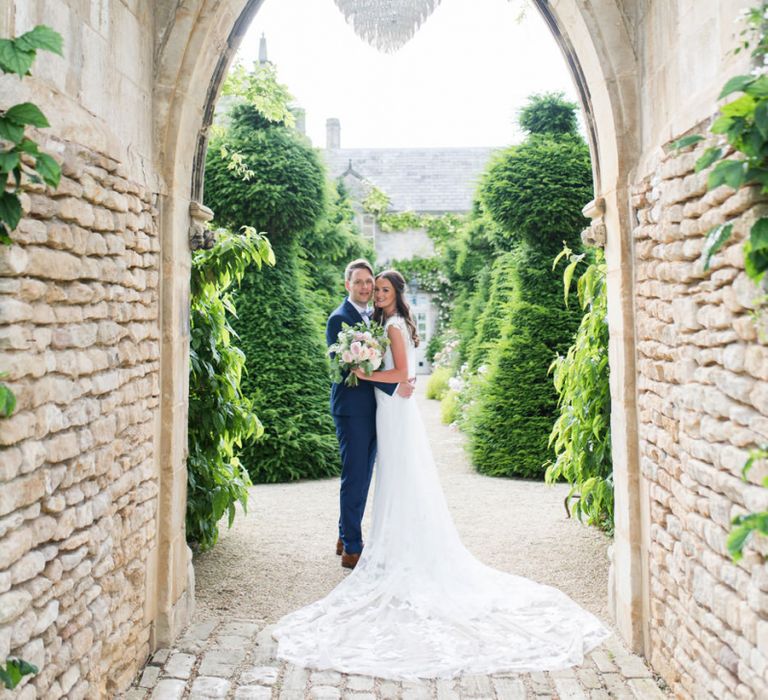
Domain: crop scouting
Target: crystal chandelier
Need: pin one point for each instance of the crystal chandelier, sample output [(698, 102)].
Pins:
[(386, 24)]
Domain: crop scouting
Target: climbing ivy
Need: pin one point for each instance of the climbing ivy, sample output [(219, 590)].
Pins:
[(742, 126), (221, 418), (581, 435), (21, 157)]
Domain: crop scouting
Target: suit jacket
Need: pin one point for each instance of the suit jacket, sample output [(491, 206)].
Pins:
[(351, 400)]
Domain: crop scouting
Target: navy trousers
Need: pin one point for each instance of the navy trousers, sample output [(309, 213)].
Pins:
[(357, 445)]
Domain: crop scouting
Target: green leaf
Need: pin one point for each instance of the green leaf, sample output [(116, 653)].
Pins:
[(7, 401), (755, 262), (49, 169), (758, 88), (29, 146), (567, 278), (740, 107), (13, 59), (10, 209), (721, 125), (761, 117), (10, 131), (728, 172), (736, 84), (708, 157), (686, 141), (715, 240), (758, 234), (5, 238), (27, 113), (41, 37), (8, 161)]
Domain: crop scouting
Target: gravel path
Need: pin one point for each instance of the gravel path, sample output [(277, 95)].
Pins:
[(280, 555)]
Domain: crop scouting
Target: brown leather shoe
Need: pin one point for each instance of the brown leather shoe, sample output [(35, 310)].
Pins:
[(348, 560), (339, 547)]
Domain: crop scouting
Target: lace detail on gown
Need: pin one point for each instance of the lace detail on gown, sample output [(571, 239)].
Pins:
[(418, 604)]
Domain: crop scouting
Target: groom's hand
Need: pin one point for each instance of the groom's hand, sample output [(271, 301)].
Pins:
[(405, 389)]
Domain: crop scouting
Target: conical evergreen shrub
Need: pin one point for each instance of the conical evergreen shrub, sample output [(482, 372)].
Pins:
[(288, 374), (534, 192), (267, 175)]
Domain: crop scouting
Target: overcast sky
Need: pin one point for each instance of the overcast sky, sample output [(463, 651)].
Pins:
[(458, 82)]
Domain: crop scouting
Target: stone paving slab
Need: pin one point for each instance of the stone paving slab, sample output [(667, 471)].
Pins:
[(250, 671)]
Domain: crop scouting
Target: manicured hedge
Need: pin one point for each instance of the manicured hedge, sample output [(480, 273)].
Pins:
[(288, 374), (279, 186)]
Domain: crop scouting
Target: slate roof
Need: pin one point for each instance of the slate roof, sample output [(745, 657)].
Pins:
[(418, 179)]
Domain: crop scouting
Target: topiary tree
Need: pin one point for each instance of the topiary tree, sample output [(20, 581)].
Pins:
[(548, 113), (488, 326), (265, 174), (326, 249), (288, 373), (512, 420), (534, 192)]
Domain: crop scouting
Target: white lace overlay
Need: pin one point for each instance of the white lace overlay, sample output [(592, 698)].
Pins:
[(418, 604)]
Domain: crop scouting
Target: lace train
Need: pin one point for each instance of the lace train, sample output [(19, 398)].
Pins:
[(418, 604)]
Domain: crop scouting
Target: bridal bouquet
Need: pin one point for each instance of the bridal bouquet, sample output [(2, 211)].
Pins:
[(357, 347)]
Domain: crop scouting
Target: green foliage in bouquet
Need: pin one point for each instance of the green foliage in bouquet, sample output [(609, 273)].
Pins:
[(276, 184), (368, 339), (221, 418), (581, 435), (288, 373)]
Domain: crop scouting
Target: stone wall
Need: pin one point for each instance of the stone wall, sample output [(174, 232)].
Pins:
[(703, 403), (78, 490)]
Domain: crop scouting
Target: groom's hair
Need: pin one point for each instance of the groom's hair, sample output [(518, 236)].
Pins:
[(359, 264)]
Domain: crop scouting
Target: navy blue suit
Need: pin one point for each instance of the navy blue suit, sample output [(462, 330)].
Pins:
[(354, 412)]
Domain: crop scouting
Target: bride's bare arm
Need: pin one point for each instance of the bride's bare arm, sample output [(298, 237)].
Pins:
[(400, 371)]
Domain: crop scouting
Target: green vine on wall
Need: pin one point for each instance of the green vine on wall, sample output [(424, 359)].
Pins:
[(439, 228), (21, 157), (221, 418), (581, 435), (743, 127)]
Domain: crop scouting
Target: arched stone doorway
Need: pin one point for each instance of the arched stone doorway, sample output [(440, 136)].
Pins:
[(198, 46)]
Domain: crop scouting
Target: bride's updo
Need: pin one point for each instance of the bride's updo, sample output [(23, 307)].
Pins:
[(403, 309)]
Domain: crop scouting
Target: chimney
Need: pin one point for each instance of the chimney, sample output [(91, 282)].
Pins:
[(300, 115), (332, 133), (263, 49)]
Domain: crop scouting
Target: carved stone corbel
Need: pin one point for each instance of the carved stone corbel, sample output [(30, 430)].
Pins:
[(200, 236), (595, 234)]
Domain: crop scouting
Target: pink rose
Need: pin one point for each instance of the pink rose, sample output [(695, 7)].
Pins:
[(346, 356)]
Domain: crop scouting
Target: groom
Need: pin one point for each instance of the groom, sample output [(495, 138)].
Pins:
[(354, 412)]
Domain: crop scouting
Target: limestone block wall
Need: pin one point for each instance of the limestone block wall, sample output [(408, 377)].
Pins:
[(78, 489), (703, 403)]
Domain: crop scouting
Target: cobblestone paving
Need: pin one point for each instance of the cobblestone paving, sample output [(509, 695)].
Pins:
[(229, 652), (236, 660)]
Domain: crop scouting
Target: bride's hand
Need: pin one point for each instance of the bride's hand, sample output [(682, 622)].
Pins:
[(359, 373)]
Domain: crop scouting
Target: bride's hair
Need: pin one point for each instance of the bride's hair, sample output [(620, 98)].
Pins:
[(401, 305)]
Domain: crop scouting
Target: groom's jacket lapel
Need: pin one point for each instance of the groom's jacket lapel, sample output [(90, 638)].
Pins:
[(352, 311)]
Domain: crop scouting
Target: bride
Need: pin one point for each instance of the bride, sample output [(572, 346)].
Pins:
[(418, 604)]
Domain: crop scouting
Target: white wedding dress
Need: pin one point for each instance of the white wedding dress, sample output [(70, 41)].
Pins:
[(418, 604)]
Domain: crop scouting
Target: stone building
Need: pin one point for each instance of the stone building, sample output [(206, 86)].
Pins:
[(94, 335), (431, 181)]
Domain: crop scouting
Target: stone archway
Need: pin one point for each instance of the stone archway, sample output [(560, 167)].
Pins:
[(196, 51)]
